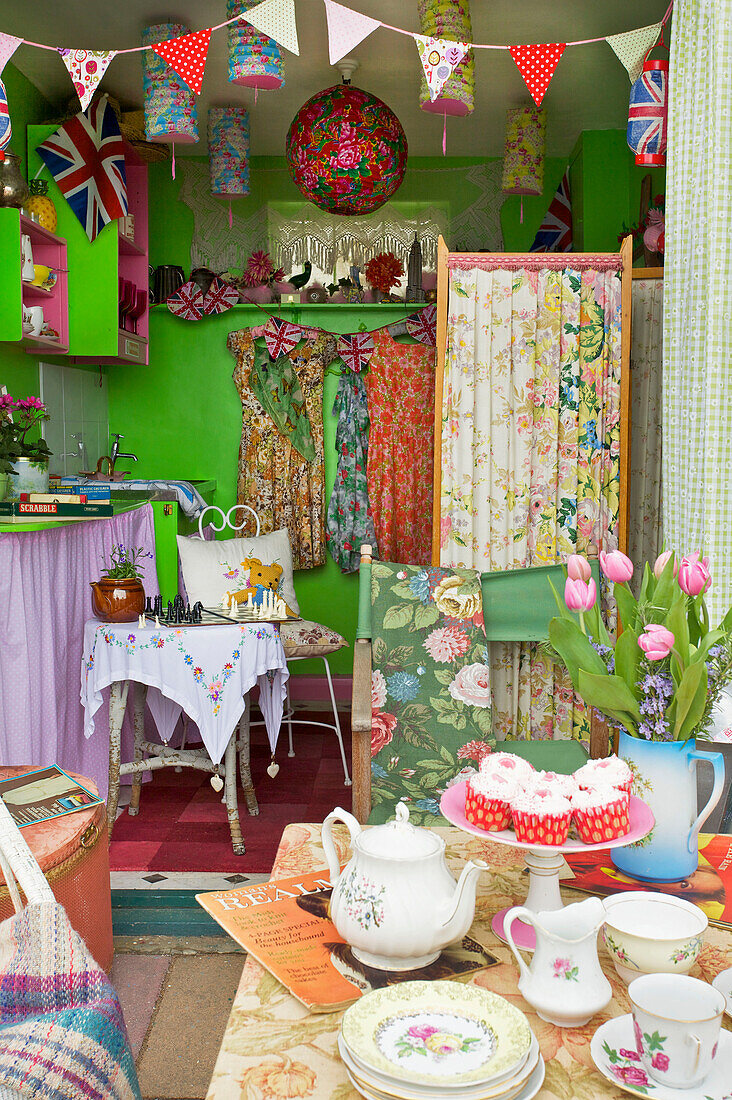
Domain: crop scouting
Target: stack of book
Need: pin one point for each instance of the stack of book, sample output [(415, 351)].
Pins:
[(60, 504)]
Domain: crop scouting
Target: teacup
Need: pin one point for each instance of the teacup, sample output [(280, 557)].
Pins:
[(35, 317), (676, 1021)]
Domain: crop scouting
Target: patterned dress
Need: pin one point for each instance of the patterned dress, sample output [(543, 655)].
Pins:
[(401, 399), (284, 488), (349, 519)]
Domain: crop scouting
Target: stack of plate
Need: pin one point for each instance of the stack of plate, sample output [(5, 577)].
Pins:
[(424, 1040)]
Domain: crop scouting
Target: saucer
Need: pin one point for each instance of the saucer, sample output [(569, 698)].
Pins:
[(617, 1035), (528, 1092), (723, 982)]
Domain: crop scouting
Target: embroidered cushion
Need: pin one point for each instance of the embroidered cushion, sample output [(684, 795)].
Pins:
[(212, 568), (308, 639), (430, 688)]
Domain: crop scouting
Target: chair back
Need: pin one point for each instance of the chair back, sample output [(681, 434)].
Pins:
[(226, 519)]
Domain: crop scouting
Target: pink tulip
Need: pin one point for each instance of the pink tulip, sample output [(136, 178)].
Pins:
[(694, 576), (579, 596), (656, 642), (616, 566), (661, 563), (578, 568)]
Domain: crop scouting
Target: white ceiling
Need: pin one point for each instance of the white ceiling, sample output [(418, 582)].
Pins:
[(589, 89)]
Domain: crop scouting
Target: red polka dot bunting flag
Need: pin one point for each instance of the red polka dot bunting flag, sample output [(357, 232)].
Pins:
[(537, 64), (422, 326), (281, 337), (187, 302), (356, 349), (219, 297), (187, 55)]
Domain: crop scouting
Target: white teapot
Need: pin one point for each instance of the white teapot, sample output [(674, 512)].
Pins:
[(396, 902)]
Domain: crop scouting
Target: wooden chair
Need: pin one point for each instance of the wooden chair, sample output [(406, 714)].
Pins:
[(499, 605)]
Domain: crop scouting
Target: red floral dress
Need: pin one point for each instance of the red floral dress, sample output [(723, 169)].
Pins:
[(401, 397)]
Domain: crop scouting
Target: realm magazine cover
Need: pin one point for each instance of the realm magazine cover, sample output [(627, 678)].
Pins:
[(285, 925)]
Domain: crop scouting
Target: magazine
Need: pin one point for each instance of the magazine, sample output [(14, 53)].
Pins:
[(709, 887), (285, 925), (42, 794)]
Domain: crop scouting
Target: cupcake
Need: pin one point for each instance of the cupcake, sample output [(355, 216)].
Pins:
[(611, 771), (488, 800), (601, 813), (553, 781), (506, 763), (541, 816)]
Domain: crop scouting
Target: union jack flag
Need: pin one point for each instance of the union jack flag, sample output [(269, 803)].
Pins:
[(281, 337), (220, 297), (423, 325), (6, 130), (86, 157), (555, 232), (647, 116)]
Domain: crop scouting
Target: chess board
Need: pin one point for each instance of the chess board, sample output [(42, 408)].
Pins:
[(215, 616), (181, 614)]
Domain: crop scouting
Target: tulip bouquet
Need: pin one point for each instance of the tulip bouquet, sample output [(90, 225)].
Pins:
[(661, 678)]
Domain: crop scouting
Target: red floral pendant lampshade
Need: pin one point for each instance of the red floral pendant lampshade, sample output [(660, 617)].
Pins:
[(346, 151)]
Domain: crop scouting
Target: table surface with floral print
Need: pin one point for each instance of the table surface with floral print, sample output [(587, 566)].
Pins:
[(274, 1049)]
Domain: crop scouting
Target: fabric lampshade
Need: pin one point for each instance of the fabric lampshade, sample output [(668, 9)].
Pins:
[(228, 150), (170, 105), (255, 61), (523, 158), (449, 20), (647, 114), (346, 151)]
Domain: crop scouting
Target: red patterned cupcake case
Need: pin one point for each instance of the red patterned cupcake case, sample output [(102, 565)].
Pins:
[(491, 814), (549, 829), (603, 822)]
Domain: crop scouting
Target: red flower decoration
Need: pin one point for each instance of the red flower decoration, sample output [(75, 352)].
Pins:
[(384, 271)]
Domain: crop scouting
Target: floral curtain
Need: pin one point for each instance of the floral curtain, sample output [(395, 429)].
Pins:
[(530, 446), (645, 535)]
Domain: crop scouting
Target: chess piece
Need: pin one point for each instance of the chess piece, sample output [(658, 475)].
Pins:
[(197, 612), (157, 621), (415, 292), (148, 606)]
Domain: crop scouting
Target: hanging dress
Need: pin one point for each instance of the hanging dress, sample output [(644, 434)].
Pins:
[(401, 402), (349, 519), (284, 488)]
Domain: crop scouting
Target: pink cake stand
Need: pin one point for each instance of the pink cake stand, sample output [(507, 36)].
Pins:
[(543, 861)]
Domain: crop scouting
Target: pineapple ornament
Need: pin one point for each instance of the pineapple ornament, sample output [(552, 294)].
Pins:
[(39, 203)]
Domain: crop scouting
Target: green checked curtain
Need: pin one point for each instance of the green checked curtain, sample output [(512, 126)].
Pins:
[(697, 324)]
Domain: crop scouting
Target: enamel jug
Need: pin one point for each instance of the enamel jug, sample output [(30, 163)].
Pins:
[(564, 983), (395, 902)]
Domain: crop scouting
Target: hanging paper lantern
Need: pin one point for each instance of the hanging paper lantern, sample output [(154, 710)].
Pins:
[(346, 151), (6, 130), (255, 61), (228, 151), (647, 114), (449, 20), (170, 105), (523, 157)]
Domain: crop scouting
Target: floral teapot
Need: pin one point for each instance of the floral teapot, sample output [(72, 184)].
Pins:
[(396, 902)]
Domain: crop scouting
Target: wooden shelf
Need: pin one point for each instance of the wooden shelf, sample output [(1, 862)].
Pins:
[(30, 290), (44, 343), (130, 248)]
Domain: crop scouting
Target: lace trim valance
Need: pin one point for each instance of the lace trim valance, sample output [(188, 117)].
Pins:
[(536, 261)]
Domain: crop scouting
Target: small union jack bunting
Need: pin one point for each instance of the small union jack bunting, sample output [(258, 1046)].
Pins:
[(422, 326), (220, 297), (187, 302), (281, 337), (356, 349)]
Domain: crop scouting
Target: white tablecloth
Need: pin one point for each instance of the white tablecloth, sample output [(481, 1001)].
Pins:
[(203, 670)]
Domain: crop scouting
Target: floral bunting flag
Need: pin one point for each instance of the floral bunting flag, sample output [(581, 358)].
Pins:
[(86, 69), (439, 60), (346, 28), (187, 55), (537, 64), (8, 45), (276, 19), (632, 47), (356, 349), (281, 337)]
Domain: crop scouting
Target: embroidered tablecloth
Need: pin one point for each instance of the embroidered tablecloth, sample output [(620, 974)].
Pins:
[(274, 1048), (204, 671)]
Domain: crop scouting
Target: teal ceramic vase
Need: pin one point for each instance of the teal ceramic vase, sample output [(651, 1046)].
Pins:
[(664, 777)]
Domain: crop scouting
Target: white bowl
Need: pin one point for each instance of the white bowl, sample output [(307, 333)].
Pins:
[(652, 933)]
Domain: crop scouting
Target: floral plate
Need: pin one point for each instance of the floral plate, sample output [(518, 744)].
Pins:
[(437, 1033), (613, 1052), (723, 982), (529, 1090)]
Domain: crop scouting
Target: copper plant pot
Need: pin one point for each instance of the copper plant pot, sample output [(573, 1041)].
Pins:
[(117, 601)]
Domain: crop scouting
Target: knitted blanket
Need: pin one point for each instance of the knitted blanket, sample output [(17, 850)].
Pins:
[(62, 1033)]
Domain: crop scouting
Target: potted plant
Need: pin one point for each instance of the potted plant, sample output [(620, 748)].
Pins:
[(656, 685), (8, 445), (119, 596), (262, 282), (26, 452)]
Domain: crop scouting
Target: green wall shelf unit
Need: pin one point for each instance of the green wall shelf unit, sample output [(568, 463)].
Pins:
[(18, 296)]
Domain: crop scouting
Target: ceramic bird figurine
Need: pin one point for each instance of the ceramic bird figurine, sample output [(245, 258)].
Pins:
[(299, 281)]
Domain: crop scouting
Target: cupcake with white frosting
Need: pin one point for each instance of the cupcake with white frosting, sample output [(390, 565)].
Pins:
[(610, 771), (506, 763), (601, 813), (488, 800), (541, 815)]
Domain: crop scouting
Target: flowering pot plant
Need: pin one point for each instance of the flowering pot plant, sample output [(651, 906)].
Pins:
[(19, 421), (384, 272), (125, 563), (660, 680)]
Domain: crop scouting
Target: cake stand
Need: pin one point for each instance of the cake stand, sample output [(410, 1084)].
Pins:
[(544, 861)]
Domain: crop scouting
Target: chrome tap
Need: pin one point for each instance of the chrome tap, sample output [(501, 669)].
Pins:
[(115, 453)]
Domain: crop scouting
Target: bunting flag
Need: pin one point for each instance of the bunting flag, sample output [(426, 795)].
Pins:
[(276, 19), (8, 45), (187, 302), (439, 60), (86, 157), (422, 326), (6, 129), (86, 69), (219, 297), (346, 28), (536, 65), (356, 349), (555, 232), (281, 337), (187, 55), (632, 47)]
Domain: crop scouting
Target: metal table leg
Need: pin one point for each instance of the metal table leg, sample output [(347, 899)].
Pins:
[(117, 704)]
